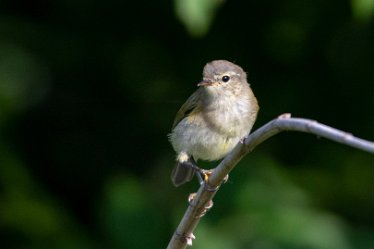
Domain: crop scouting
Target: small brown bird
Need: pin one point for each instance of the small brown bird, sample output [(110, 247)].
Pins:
[(219, 114)]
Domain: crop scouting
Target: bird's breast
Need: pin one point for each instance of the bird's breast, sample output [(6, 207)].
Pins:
[(229, 116)]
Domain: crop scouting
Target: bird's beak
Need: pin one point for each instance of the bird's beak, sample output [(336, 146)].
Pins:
[(205, 83)]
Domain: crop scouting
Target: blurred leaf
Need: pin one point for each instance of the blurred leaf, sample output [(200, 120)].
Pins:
[(23, 79), (363, 10), (197, 15)]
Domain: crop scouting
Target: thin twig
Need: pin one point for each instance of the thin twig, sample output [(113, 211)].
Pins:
[(183, 235)]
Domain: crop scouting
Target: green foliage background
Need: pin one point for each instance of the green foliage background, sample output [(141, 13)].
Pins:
[(88, 92)]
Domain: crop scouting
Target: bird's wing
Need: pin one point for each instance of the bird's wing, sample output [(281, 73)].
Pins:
[(191, 105)]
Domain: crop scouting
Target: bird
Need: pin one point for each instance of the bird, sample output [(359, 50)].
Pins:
[(213, 120)]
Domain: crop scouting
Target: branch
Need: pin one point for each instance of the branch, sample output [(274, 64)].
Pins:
[(202, 201)]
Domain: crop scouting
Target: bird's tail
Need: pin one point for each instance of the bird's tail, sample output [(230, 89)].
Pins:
[(183, 171)]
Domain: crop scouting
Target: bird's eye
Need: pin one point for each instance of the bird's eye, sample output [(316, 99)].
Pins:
[(225, 78)]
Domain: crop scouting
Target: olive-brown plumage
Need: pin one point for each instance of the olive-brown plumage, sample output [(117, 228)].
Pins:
[(214, 118)]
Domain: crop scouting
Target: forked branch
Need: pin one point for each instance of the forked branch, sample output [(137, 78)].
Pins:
[(183, 235)]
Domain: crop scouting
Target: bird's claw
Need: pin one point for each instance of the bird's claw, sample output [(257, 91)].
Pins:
[(206, 174), (242, 140), (204, 177)]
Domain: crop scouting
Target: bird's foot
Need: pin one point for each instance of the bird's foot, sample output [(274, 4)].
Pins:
[(242, 140), (204, 175)]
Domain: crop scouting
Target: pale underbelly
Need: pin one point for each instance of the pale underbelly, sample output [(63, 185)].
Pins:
[(205, 144)]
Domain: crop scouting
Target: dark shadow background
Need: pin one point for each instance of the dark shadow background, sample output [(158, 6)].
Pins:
[(88, 93)]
